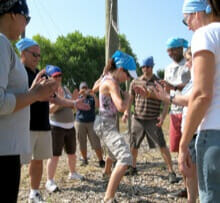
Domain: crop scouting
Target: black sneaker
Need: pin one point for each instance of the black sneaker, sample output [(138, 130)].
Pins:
[(178, 194), (102, 164), (172, 178), (131, 171), (84, 162)]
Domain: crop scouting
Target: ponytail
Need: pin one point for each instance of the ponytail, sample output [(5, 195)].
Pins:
[(215, 4)]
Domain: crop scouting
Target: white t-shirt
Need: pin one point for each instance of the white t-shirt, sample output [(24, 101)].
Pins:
[(177, 74), (208, 38)]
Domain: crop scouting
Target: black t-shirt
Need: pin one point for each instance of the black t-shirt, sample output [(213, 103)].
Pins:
[(39, 110)]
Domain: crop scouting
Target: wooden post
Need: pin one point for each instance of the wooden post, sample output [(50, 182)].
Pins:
[(111, 36)]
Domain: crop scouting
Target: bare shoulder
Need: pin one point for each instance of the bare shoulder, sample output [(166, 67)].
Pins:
[(108, 86)]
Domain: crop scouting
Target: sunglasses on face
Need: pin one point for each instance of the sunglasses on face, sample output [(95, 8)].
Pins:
[(33, 54), (27, 18)]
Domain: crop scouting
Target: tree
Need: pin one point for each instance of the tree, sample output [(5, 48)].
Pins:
[(160, 73)]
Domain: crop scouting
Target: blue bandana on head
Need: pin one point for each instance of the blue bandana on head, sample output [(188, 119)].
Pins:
[(125, 61), (176, 42), (193, 6), (149, 61), (25, 43), (52, 70)]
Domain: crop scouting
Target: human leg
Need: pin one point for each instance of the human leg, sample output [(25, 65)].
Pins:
[(175, 131), (114, 181), (94, 141), (208, 164), (81, 133), (42, 149), (10, 172)]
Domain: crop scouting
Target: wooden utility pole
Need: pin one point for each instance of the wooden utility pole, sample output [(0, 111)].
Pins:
[(111, 39), (111, 33)]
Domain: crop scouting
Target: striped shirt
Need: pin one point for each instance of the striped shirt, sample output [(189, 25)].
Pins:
[(144, 108)]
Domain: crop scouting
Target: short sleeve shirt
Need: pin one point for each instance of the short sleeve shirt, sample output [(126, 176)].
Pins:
[(145, 108), (177, 74)]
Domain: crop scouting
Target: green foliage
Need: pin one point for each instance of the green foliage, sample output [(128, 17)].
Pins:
[(81, 58), (160, 73)]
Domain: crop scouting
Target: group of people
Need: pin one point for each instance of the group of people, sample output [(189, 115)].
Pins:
[(31, 134)]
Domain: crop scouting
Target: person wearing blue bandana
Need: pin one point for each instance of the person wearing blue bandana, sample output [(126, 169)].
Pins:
[(40, 133), (147, 119), (203, 17), (15, 98), (176, 75), (120, 68)]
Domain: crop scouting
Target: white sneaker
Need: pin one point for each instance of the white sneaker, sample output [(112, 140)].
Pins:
[(51, 186), (37, 198), (75, 176)]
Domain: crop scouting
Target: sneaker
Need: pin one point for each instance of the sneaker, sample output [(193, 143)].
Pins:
[(75, 176), (102, 164), (178, 194), (172, 177), (131, 171), (51, 186), (84, 162), (37, 198)]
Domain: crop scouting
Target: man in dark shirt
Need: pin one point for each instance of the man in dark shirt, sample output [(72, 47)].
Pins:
[(147, 119), (41, 140), (84, 125)]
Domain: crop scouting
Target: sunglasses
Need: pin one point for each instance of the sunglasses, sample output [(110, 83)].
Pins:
[(34, 54), (28, 18)]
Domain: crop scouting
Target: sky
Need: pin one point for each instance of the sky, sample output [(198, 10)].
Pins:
[(147, 24)]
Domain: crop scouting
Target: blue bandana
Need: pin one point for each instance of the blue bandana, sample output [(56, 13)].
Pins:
[(176, 42), (25, 43), (149, 61), (52, 71), (193, 6), (125, 61)]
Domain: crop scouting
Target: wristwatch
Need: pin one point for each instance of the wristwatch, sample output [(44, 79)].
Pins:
[(172, 96)]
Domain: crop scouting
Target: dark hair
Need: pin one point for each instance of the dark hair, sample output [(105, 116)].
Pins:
[(110, 67), (215, 4)]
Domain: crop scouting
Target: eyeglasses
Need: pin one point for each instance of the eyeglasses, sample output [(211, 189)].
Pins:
[(186, 18), (33, 54), (28, 18)]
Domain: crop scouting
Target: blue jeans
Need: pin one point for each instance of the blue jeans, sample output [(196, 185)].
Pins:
[(208, 165)]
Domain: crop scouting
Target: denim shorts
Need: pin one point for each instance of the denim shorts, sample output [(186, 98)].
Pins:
[(208, 165), (118, 149)]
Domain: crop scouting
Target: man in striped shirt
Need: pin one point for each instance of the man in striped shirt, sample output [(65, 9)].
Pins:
[(147, 119)]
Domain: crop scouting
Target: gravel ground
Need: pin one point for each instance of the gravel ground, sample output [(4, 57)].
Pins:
[(150, 185)]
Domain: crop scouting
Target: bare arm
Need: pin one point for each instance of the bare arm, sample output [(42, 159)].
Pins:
[(114, 91), (200, 99)]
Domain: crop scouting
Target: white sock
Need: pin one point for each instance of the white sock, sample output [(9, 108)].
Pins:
[(49, 181)]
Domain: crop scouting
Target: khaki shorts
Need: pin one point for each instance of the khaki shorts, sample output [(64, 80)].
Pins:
[(82, 131), (140, 128), (41, 147), (118, 150)]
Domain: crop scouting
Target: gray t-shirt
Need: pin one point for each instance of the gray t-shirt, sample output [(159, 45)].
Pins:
[(14, 126)]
